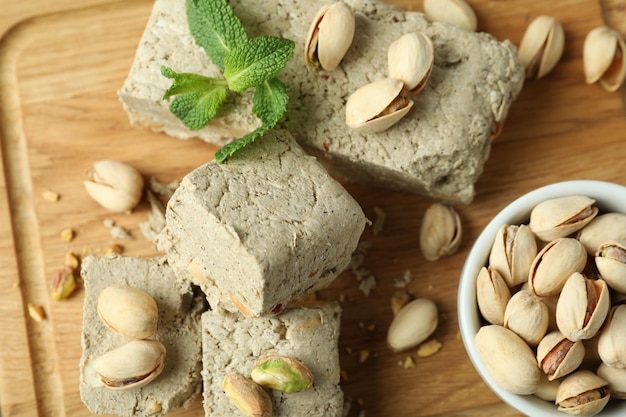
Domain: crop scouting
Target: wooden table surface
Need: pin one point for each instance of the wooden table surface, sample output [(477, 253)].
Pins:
[(61, 63)]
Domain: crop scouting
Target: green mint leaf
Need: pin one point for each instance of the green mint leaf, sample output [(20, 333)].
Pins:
[(188, 83), (197, 109), (269, 104), (215, 27), (253, 62)]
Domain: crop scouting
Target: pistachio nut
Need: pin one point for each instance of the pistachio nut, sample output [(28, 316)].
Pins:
[(248, 396), (603, 228), (64, 283), (611, 263), (513, 252), (440, 231), (527, 316), (612, 341), (413, 324), (554, 264), (456, 12), (132, 365), (282, 374), (128, 310), (582, 393), (114, 185), (558, 356), (330, 36), (492, 295), (582, 307), (546, 389), (561, 217), (616, 377), (542, 46), (410, 59), (508, 359), (377, 106), (604, 58)]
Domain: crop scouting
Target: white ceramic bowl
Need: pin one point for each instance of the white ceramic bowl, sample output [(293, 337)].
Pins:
[(609, 197)]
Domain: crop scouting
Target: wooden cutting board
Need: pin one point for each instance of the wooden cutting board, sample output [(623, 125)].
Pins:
[(60, 67)]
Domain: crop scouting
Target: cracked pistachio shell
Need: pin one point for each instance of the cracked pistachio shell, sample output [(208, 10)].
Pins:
[(248, 396), (604, 58), (612, 341), (456, 12), (377, 106), (603, 228), (128, 310), (554, 264), (132, 365), (413, 324), (508, 359), (492, 295), (410, 59), (527, 316), (330, 36), (114, 185), (282, 374), (561, 217), (616, 378), (440, 231), (582, 393), (582, 307), (558, 356), (513, 252), (611, 263), (541, 46)]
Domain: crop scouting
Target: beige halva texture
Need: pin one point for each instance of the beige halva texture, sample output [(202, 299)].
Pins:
[(438, 150), (232, 343), (262, 229), (179, 329)]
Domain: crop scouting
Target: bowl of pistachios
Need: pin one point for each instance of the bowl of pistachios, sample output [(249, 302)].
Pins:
[(542, 301)]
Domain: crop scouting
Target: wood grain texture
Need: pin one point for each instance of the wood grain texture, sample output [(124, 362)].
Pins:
[(60, 67)]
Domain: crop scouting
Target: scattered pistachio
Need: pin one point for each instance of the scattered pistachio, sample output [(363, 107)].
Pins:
[(114, 248), (247, 396), (413, 324), (128, 310), (282, 374), (604, 58), (51, 196), (541, 46), (153, 406), (410, 59), (67, 235), (36, 312), (456, 12), (114, 185), (63, 284), (429, 348), (330, 36), (440, 232)]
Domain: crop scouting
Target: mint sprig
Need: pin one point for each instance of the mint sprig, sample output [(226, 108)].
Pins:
[(246, 63)]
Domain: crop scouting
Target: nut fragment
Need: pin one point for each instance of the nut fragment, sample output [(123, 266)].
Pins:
[(247, 396), (399, 299), (114, 185), (541, 46), (377, 106), (604, 58), (128, 310), (67, 235), (36, 312), (440, 232), (410, 59), (132, 365), (51, 196), (63, 284), (413, 324), (282, 374), (429, 348), (456, 12), (330, 36)]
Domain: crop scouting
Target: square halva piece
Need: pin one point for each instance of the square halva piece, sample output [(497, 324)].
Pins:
[(439, 149), (178, 329), (232, 343), (262, 229)]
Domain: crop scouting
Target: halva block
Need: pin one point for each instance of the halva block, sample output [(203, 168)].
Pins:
[(232, 343), (262, 229), (178, 330), (439, 149)]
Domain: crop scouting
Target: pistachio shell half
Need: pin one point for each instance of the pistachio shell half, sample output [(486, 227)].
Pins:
[(128, 310), (541, 46), (612, 341), (561, 217), (132, 365), (583, 393), (513, 252), (604, 58), (410, 59), (330, 36), (456, 12), (377, 106)]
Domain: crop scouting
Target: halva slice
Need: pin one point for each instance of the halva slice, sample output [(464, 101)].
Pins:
[(232, 343), (262, 229), (438, 149), (178, 331)]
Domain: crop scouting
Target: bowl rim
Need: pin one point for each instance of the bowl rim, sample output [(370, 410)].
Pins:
[(517, 212)]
